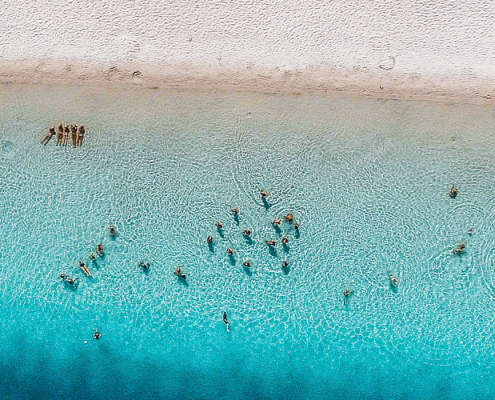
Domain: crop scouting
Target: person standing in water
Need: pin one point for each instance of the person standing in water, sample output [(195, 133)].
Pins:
[(226, 321)]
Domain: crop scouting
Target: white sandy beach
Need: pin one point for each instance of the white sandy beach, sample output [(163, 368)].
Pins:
[(439, 50)]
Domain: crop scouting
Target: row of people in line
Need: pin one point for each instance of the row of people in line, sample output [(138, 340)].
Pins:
[(62, 134)]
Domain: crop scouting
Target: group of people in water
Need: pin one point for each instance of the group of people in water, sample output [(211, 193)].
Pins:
[(247, 234), (62, 134), (73, 282), (145, 266)]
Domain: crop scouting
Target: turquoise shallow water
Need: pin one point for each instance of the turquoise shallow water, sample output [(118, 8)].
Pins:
[(367, 180)]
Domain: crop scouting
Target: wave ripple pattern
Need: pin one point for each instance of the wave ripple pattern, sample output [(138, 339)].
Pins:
[(368, 183)]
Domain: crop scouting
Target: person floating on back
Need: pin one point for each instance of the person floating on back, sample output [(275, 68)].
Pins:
[(226, 321), (84, 268), (80, 135), (60, 134), (73, 132)]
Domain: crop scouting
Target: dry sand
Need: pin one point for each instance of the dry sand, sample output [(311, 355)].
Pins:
[(439, 50)]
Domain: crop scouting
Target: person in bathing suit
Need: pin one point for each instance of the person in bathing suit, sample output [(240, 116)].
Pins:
[(226, 321)]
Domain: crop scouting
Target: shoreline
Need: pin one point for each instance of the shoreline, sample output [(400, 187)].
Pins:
[(381, 84)]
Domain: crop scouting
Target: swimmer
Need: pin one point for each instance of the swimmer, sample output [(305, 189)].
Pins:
[(145, 266), (219, 225), (99, 249), (112, 231), (179, 273), (226, 321), (453, 192), (246, 232), (66, 135), (289, 217), (285, 264), (393, 279), (92, 256), (71, 281), (230, 251), (235, 210), (270, 242), (471, 231), (264, 194), (209, 239), (48, 136), (96, 335), (73, 131), (84, 268), (80, 135), (60, 134), (246, 263), (276, 222), (296, 226), (285, 240), (347, 292), (459, 249)]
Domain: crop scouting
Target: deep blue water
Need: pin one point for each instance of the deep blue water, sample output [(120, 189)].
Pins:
[(368, 182)]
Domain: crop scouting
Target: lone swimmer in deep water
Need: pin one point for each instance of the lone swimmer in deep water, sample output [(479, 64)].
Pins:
[(96, 335), (226, 321)]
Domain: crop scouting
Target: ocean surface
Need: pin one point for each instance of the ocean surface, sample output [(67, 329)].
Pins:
[(368, 182)]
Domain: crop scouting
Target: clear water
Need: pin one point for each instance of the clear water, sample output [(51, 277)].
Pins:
[(367, 180)]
